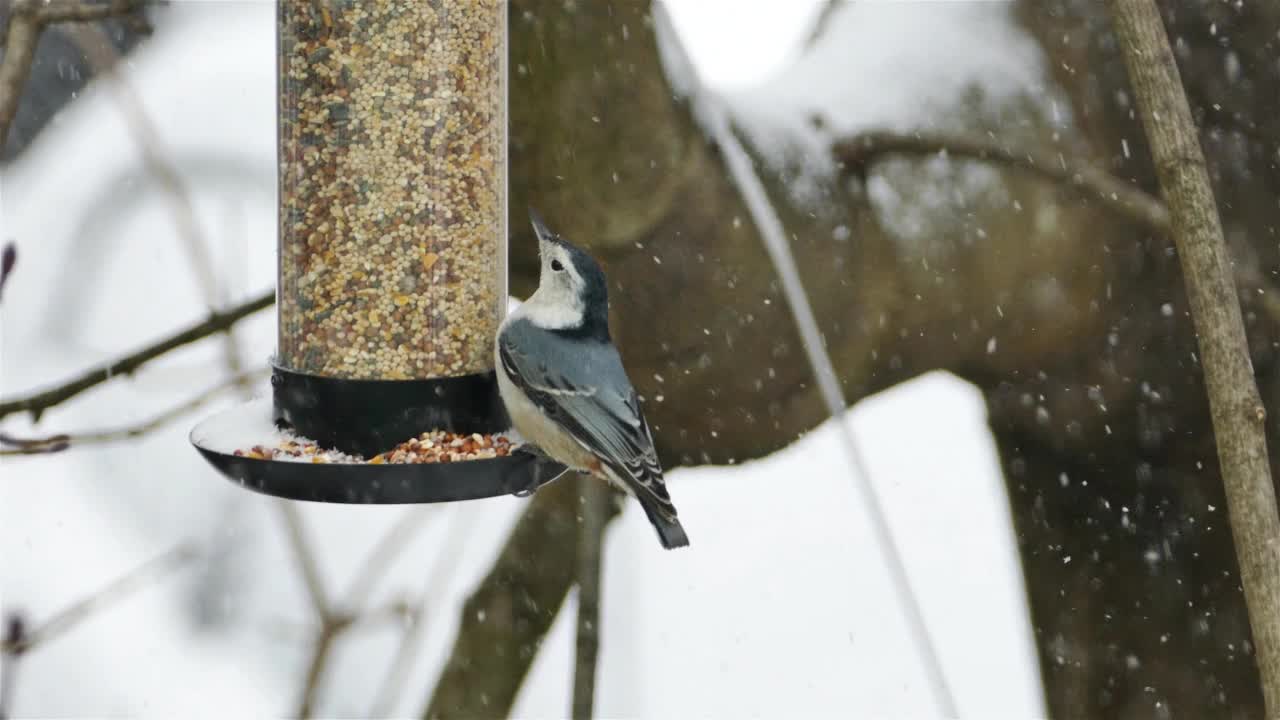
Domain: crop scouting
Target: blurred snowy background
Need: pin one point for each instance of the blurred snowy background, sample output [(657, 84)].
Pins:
[(782, 607)]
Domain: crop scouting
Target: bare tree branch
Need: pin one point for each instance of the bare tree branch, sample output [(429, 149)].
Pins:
[(330, 622), (822, 21), (384, 553), (115, 591), (63, 441), (315, 668), (8, 260), (402, 661), (29, 18), (15, 633), (33, 446), (446, 563), (595, 497), (57, 11), (335, 620), (305, 558), (1235, 404), (859, 151), (398, 610), (217, 322), (1118, 195), (104, 58)]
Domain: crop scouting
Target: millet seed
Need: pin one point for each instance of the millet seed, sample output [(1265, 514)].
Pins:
[(392, 142)]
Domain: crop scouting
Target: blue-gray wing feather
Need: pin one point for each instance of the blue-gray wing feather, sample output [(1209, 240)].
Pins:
[(584, 387)]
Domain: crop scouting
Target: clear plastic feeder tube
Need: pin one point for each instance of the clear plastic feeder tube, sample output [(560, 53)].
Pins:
[(393, 182)]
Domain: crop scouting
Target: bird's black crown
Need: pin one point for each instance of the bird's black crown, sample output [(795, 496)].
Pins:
[(595, 291)]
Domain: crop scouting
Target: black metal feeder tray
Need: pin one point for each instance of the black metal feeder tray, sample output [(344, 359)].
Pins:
[(365, 417)]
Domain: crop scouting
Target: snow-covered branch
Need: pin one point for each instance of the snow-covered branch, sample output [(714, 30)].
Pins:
[(857, 152)]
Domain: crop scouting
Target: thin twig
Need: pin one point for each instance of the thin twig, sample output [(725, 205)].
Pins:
[(330, 623), (327, 633), (315, 669), (406, 653), (286, 628), (594, 496), (15, 633), (397, 610), (334, 621), (822, 21), (383, 554), (1120, 196), (447, 560), (136, 579), (8, 261), (217, 322), (57, 443), (507, 616), (1235, 405), (33, 446), (712, 115), (305, 558)]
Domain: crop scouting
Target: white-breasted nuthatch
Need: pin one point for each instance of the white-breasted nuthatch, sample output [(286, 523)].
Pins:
[(564, 386)]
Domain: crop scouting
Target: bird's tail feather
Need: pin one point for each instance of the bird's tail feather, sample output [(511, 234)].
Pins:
[(670, 531)]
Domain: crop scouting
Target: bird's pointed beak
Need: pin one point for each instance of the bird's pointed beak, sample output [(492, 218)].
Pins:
[(539, 227)]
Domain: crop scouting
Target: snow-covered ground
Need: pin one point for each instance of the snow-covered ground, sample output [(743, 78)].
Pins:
[(780, 609)]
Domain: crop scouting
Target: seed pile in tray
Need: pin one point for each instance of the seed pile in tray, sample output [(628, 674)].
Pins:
[(439, 446), (297, 449), (434, 446)]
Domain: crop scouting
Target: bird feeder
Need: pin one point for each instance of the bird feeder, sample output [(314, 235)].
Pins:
[(392, 276)]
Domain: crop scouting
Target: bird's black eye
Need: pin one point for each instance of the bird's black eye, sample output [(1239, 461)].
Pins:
[(555, 265)]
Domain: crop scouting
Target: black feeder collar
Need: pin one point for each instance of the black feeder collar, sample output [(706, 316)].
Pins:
[(367, 417)]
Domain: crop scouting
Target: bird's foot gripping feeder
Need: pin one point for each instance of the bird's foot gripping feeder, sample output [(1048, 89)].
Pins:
[(392, 267)]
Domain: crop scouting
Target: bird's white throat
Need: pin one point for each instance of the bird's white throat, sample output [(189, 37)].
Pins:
[(552, 308)]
